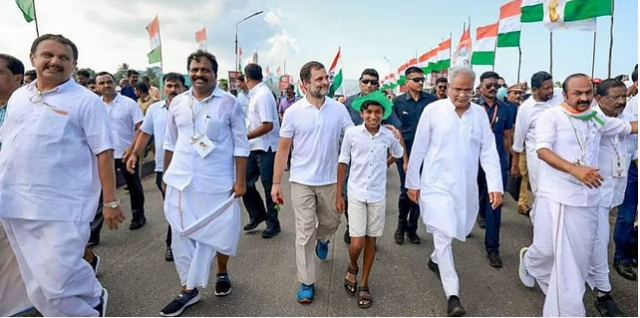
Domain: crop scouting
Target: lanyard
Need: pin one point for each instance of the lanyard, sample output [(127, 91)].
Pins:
[(495, 115), (583, 146), (615, 146), (194, 115)]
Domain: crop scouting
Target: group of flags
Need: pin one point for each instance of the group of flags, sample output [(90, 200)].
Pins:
[(554, 14)]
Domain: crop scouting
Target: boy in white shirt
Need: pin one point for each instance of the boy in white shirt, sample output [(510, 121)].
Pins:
[(365, 148)]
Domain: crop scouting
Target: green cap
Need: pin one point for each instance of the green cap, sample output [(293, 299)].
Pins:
[(376, 96)]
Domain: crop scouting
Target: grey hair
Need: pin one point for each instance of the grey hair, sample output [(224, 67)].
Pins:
[(461, 70)]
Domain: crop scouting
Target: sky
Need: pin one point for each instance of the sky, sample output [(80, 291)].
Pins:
[(109, 33)]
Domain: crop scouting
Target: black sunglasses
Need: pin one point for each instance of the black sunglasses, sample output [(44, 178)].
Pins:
[(367, 82), (442, 87), (417, 79), (488, 86)]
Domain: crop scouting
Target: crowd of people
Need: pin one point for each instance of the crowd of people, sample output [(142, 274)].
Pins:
[(456, 152)]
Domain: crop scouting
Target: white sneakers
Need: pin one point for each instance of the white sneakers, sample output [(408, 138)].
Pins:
[(525, 277)]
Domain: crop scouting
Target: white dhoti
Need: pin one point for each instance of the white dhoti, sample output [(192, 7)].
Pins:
[(560, 257), (14, 294), (599, 272), (202, 224), (443, 256), (532, 169), (59, 281)]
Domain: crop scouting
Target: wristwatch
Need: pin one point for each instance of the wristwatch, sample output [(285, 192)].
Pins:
[(112, 205)]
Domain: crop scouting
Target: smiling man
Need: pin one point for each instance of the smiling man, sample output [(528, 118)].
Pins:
[(441, 87)]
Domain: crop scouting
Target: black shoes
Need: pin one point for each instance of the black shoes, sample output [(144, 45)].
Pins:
[(137, 222), (482, 222), (413, 238), (168, 255), (223, 285), (434, 267), (625, 270), (347, 237), (399, 236), (271, 232), (178, 305), (454, 308), (253, 224), (607, 307), (494, 260)]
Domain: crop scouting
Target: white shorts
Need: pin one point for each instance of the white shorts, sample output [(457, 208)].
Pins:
[(366, 218)]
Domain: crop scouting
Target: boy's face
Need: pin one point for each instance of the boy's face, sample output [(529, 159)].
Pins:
[(372, 115)]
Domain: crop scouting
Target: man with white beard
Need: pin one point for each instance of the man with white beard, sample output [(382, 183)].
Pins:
[(452, 137)]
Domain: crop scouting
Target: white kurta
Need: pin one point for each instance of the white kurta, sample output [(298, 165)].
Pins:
[(449, 148)]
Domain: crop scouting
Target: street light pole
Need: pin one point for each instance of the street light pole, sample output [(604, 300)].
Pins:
[(245, 19), (390, 67)]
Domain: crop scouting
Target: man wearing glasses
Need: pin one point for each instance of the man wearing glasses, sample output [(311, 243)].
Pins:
[(500, 119), (369, 83), (408, 107), (441, 87)]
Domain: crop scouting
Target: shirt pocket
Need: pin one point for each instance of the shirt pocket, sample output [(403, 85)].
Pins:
[(214, 129), (51, 125)]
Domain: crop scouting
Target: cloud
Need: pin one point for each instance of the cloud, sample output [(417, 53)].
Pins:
[(281, 46), (272, 19)]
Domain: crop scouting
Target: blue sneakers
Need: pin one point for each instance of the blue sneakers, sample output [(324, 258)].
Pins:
[(322, 250), (305, 293)]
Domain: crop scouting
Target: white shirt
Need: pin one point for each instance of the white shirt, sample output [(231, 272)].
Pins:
[(243, 100), (613, 189), (223, 123), (48, 162), (316, 139), (367, 156), (125, 115), (631, 113), (528, 113), (555, 132), (263, 109), (155, 124), (448, 147)]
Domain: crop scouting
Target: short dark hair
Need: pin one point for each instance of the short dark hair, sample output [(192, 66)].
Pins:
[(173, 77), (413, 70), (145, 79), (14, 65), (371, 72), (131, 73), (368, 103), (253, 72), (55, 37), (442, 80), (538, 78), (142, 87), (91, 81), (305, 71), (241, 78), (606, 85), (31, 73), (634, 75), (490, 74), (565, 84), (84, 72), (290, 86), (104, 74), (197, 55)]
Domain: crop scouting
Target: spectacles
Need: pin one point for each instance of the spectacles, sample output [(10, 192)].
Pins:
[(488, 86), (442, 87), (37, 99), (367, 82), (617, 98), (417, 79)]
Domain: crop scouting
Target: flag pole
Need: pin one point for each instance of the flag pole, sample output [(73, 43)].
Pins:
[(551, 53), (35, 18), (519, 62), (206, 39), (495, 49), (593, 55), (160, 40), (611, 38)]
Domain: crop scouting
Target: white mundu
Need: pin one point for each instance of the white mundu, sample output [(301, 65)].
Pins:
[(49, 191), (612, 149), (448, 147), (567, 210), (197, 186), (14, 298)]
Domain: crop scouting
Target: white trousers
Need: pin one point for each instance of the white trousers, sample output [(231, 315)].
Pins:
[(533, 163), (14, 297), (443, 256), (560, 257), (599, 272), (200, 228), (59, 281)]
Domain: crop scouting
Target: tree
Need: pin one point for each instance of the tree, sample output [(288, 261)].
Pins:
[(121, 72), (558, 84), (154, 79)]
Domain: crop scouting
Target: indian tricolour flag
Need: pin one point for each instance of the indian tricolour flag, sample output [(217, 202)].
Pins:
[(155, 56), (462, 55), (485, 51), (443, 59), (335, 74), (565, 14), (509, 26), (402, 78)]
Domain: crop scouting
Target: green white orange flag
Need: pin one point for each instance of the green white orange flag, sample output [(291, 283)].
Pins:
[(443, 60), (485, 51), (155, 56), (335, 74), (509, 26), (402, 79), (28, 9), (462, 55), (565, 14)]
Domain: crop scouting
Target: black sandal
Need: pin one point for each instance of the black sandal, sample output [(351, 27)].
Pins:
[(349, 286), (364, 301)]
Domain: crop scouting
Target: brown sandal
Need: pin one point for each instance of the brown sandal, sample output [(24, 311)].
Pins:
[(364, 301), (349, 286)]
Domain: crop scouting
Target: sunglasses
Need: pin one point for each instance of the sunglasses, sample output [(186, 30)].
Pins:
[(442, 87), (367, 82), (488, 86), (417, 79)]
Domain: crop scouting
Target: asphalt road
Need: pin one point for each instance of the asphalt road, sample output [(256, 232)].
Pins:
[(141, 282)]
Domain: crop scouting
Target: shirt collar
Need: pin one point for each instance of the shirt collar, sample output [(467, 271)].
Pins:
[(256, 88), (217, 92), (32, 87), (114, 101), (363, 128), (308, 104), (408, 97), (482, 102)]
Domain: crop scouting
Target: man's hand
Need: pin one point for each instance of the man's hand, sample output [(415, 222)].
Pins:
[(239, 189), (126, 154), (414, 195), (495, 198), (113, 217), (276, 194), (515, 171), (131, 162), (340, 206), (405, 166), (396, 132), (587, 175)]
